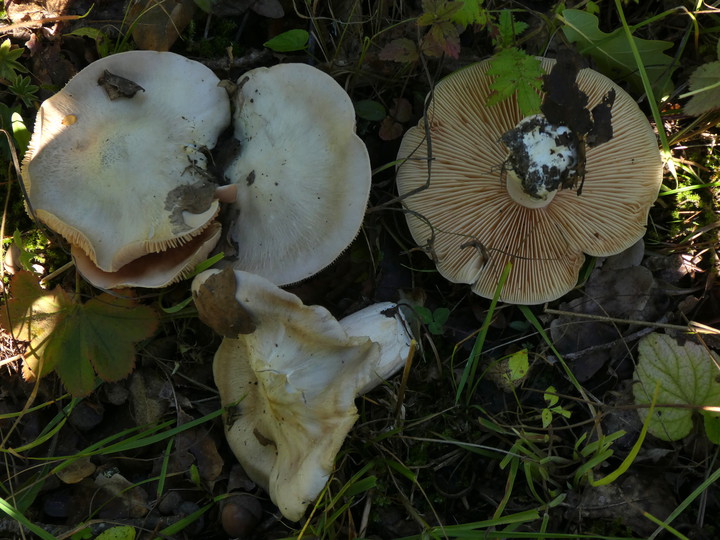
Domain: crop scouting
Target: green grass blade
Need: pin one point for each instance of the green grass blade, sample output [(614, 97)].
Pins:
[(468, 375), (25, 522)]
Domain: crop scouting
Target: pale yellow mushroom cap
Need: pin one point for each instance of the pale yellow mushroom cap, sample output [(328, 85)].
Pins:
[(472, 227)]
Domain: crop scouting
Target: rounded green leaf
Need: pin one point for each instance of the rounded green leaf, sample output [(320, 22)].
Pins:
[(684, 375), (123, 532), (292, 40)]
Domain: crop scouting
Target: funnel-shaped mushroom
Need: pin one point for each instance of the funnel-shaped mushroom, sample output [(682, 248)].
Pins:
[(475, 215), (116, 162), (303, 175), (294, 377)]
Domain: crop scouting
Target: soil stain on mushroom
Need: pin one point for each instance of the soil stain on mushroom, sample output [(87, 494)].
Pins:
[(547, 151), (194, 198), (117, 87)]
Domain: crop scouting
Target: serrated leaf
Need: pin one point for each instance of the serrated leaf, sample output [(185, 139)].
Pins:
[(435, 11), (292, 40), (613, 54), (685, 375), (399, 50), (508, 29), (471, 12), (111, 326), (31, 314), (76, 340), (516, 73), (705, 84), (442, 38), (9, 65)]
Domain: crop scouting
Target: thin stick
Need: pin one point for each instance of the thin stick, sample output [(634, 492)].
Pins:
[(692, 327)]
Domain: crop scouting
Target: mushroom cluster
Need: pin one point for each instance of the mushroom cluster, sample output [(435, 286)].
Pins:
[(120, 165), (293, 373), (484, 187)]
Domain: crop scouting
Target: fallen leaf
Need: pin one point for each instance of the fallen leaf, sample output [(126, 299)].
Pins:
[(399, 50), (158, 23), (685, 375), (77, 471)]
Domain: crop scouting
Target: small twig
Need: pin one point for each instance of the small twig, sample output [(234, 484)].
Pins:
[(692, 327)]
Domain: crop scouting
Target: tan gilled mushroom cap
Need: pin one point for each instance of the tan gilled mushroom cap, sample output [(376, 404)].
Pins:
[(303, 175), (472, 226), (116, 161)]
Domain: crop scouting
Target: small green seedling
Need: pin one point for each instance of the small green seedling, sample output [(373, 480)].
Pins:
[(434, 320), (551, 398), (687, 377)]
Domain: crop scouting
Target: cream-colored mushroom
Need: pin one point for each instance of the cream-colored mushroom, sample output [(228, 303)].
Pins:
[(116, 163), (303, 175), (294, 372), (474, 216)]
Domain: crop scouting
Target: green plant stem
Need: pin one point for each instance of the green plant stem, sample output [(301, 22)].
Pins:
[(657, 117)]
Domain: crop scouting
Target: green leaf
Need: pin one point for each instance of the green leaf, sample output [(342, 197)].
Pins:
[(367, 109), (206, 5), (508, 29), (292, 40), (111, 326), (686, 376), (9, 66), (516, 73), (77, 340), (613, 54), (518, 365), (435, 11), (122, 532), (471, 12), (20, 132), (705, 89), (546, 416), (550, 396), (32, 315), (23, 88)]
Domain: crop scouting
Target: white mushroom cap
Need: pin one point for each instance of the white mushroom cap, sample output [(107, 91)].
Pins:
[(118, 170), (295, 375), (303, 175), (473, 226)]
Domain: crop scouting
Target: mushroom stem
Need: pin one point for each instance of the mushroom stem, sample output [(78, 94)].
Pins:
[(544, 158), (514, 186)]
